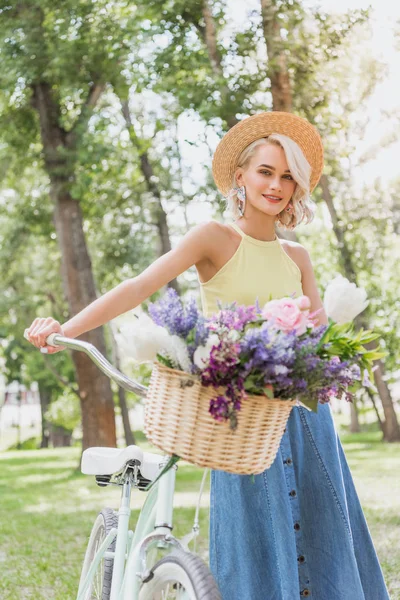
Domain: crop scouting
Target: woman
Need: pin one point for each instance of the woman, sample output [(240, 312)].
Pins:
[(296, 530)]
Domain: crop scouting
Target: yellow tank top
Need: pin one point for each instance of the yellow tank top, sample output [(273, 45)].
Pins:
[(258, 270)]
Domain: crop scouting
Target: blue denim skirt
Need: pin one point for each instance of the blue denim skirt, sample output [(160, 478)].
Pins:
[(296, 530)]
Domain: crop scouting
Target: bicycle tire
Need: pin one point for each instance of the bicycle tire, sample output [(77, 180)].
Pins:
[(184, 569), (100, 589)]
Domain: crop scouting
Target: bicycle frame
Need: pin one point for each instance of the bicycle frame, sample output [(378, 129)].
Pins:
[(153, 527)]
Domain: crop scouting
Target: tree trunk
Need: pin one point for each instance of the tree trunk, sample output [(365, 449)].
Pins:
[(344, 251), (378, 416), (208, 33), (282, 100), (391, 429), (59, 148), (281, 88), (44, 396), (98, 417), (354, 422), (128, 433), (148, 173), (60, 437)]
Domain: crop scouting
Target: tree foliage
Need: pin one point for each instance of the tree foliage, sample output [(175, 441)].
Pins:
[(171, 62)]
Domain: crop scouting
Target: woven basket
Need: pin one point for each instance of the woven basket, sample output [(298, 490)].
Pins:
[(177, 420)]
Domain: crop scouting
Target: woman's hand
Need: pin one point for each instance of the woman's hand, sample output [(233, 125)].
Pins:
[(40, 330)]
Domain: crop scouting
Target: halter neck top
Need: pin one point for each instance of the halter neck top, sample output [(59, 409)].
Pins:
[(257, 270)]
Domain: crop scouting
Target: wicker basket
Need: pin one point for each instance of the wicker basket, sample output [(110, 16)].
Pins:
[(177, 420)]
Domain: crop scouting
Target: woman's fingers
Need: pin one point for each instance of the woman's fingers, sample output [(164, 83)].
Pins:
[(35, 332), (51, 349), (40, 330)]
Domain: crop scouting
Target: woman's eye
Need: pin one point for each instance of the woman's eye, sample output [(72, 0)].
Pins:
[(288, 177)]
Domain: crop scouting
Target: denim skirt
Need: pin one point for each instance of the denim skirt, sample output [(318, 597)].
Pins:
[(296, 530)]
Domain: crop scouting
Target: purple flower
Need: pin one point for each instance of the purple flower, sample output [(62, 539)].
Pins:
[(235, 316), (170, 312), (219, 408), (252, 356)]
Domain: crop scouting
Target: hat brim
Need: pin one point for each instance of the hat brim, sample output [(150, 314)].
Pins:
[(259, 126)]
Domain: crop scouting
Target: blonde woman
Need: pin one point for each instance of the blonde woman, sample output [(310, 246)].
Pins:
[(298, 529)]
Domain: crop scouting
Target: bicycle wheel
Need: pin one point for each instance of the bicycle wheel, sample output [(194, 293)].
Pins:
[(100, 588), (180, 575)]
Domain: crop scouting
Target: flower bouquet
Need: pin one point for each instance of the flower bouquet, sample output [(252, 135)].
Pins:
[(222, 388)]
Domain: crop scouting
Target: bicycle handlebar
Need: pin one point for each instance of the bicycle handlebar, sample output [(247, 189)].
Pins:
[(100, 361)]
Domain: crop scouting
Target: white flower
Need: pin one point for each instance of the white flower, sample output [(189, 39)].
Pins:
[(281, 369), (176, 349), (142, 340), (343, 300), (201, 357)]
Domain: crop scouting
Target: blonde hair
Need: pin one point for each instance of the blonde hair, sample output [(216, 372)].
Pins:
[(303, 206)]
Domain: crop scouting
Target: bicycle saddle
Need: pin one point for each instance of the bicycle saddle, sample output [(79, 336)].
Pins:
[(109, 461)]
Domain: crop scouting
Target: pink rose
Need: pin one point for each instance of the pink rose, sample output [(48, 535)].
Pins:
[(286, 315), (303, 302)]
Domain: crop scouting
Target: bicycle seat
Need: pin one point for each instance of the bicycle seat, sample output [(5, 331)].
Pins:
[(109, 461)]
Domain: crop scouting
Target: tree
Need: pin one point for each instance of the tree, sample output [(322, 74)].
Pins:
[(26, 268), (57, 61), (303, 48), (283, 100)]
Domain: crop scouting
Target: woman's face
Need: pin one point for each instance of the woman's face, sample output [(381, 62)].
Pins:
[(267, 179)]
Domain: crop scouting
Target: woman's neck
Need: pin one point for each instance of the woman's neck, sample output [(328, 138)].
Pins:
[(262, 229)]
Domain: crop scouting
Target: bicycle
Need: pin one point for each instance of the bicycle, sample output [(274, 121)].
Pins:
[(120, 564)]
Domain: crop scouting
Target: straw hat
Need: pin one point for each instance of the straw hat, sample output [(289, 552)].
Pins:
[(259, 126)]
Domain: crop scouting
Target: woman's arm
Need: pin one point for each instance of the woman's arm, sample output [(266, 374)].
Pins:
[(309, 283), (193, 247)]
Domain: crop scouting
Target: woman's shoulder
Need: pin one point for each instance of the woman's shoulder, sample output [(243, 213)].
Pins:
[(206, 241), (214, 231), (298, 253), (217, 243)]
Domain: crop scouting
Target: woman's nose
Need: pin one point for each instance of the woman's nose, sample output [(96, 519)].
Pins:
[(275, 183)]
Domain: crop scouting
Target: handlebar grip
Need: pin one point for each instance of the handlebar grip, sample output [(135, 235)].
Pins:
[(51, 341)]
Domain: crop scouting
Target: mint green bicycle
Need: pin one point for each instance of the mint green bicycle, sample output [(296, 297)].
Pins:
[(121, 564)]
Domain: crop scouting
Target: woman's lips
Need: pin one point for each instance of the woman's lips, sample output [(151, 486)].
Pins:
[(272, 199)]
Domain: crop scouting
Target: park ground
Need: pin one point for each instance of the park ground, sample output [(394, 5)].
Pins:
[(48, 507)]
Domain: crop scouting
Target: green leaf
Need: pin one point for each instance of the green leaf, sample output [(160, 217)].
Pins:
[(165, 361), (171, 462), (311, 403), (269, 392)]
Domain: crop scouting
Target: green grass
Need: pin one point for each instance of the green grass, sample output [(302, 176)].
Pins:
[(48, 507), (375, 469)]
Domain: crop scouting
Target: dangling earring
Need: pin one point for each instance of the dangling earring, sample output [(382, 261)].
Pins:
[(241, 196), (289, 208), (240, 193)]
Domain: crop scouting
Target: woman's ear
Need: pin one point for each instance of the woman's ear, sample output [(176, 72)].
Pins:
[(239, 177)]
